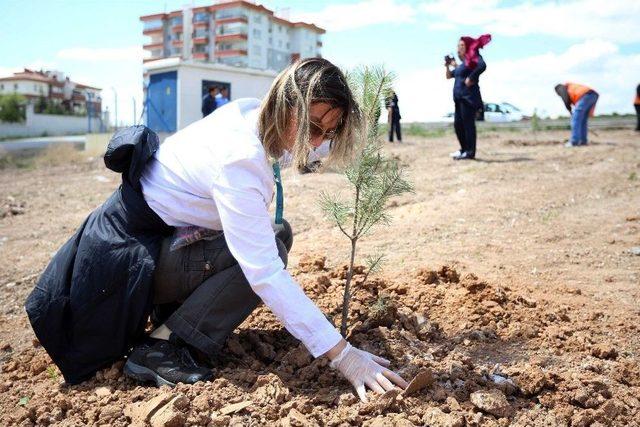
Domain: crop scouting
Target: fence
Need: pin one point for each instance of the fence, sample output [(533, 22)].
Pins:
[(50, 125)]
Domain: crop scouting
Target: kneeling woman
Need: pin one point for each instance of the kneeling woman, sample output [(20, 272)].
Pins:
[(92, 303)]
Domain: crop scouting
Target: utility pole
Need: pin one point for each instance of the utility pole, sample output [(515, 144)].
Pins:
[(115, 95), (135, 116), (88, 108)]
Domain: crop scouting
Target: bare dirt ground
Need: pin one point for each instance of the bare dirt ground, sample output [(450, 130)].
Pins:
[(510, 279)]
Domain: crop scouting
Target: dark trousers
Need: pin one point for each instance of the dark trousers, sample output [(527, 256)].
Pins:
[(395, 126), (638, 116), (464, 123), (201, 293)]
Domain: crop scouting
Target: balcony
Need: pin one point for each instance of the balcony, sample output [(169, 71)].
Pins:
[(151, 46), (231, 52), (201, 40), (201, 56), (231, 37), (177, 28), (201, 24), (232, 19), (152, 31), (176, 43)]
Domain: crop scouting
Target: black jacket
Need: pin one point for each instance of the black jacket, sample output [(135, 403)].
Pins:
[(92, 301), (460, 90), (208, 105)]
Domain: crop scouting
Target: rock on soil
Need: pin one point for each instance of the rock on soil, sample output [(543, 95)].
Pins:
[(492, 402)]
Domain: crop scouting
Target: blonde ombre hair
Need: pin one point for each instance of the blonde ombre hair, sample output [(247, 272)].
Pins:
[(292, 93)]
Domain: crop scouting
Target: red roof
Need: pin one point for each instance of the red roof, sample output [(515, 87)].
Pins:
[(41, 76)]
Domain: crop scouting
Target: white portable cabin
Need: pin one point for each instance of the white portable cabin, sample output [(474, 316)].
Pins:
[(174, 89)]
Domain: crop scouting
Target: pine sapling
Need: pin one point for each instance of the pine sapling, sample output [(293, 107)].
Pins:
[(373, 177)]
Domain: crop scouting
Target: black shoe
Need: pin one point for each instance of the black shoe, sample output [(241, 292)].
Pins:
[(465, 156), (165, 363)]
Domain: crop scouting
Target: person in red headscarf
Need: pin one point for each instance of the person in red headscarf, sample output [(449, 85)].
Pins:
[(466, 92)]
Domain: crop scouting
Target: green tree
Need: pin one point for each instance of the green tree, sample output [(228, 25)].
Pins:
[(12, 108), (373, 177), (41, 106), (535, 123)]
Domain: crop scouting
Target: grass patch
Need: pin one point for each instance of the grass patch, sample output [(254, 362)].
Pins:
[(55, 155), (549, 215), (52, 373), (58, 154), (418, 130)]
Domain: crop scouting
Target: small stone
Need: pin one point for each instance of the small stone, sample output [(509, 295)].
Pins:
[(434, 417), (421, 380), (16, 210), (235, 407), (610, 410), (493, 402), (347, 399), (140, 412), (381, 403), (635, 250), (531, 381), (296, 418), (110, 412), (448, 274), (604, 351), (168, 416), (102, 391)]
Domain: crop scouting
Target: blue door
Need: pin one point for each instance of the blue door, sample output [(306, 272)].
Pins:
[(162, 102)]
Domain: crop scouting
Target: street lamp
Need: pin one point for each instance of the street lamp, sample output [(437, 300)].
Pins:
[(115, 95)]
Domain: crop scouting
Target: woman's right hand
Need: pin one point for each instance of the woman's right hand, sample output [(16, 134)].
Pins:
[(362, 369)]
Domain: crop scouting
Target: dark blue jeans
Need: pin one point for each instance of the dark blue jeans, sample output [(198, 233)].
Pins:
[(580, 116)]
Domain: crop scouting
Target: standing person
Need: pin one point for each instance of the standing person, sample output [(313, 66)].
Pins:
[(393, 117), (466, 92), (223, 97), (91, 305), (584, 99), (636, 103), (209, 101)]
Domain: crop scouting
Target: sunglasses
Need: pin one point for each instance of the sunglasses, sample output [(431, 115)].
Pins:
[(316, 131)]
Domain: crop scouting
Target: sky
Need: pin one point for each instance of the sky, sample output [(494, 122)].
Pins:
[(536, 44)]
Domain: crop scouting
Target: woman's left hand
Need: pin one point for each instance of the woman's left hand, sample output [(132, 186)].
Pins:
[(468, 82)]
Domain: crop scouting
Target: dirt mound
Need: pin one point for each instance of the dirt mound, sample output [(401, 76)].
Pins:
[(472, 341)]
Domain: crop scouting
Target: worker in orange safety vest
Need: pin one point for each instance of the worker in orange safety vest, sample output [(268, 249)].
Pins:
[(580, 100)]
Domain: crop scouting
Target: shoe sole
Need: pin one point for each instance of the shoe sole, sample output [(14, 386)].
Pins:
[(144, 374)]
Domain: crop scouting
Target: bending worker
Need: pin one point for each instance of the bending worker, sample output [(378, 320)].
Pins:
[(636, 104), (583, 99), (466, 92), (91, 305)]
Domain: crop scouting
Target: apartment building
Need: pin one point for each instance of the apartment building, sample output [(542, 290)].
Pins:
[(55, 89), (238, 33)]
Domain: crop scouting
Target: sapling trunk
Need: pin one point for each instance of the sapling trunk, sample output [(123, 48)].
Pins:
[(347, 291)]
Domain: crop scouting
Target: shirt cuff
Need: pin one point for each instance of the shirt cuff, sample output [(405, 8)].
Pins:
[(323, 340)]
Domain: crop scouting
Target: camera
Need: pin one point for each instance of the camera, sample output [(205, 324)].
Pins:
[(448, 59)]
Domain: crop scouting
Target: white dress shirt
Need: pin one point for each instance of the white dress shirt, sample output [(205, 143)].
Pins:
[(215, 174)]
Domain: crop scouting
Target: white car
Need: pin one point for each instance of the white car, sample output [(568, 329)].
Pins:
[(501, 113)]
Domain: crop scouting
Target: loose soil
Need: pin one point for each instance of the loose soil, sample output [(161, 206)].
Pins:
[(510, 285)]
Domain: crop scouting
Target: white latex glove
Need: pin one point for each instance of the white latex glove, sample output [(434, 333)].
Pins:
[(362, 369)]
